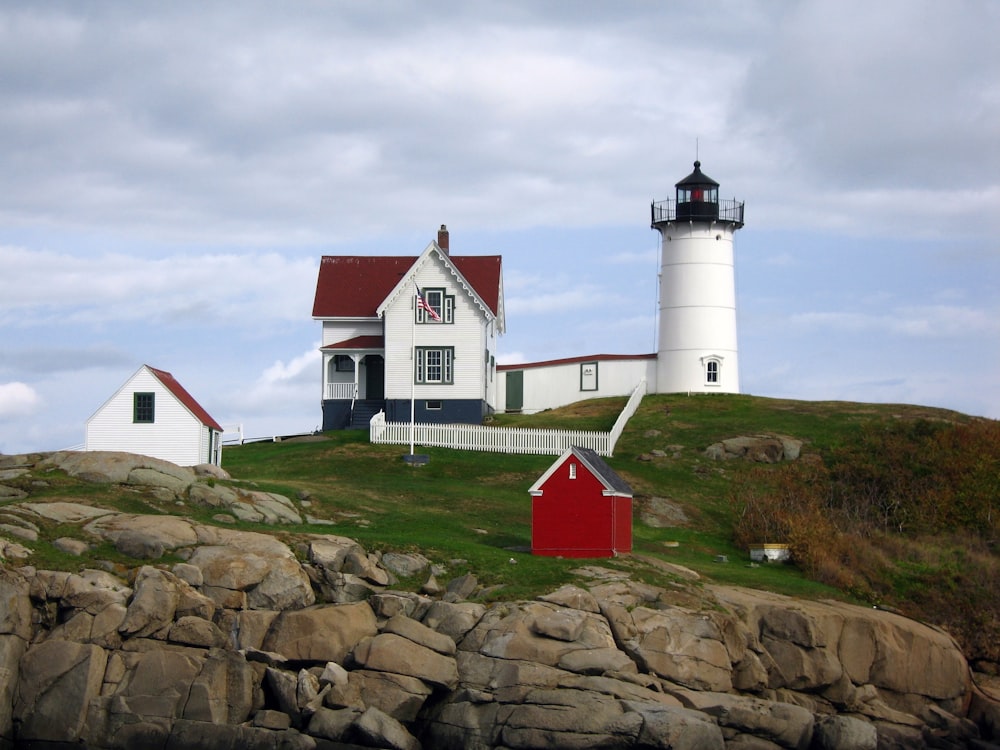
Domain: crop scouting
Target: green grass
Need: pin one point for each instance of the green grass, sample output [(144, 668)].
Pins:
[(471, 511), (475, 507)]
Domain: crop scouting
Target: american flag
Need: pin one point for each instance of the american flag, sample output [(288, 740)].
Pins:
[(422, 305)]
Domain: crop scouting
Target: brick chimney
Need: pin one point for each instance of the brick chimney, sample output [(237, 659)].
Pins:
[(443, 238)]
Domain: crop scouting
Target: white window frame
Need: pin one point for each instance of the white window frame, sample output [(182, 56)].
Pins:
[(436, 360), (443, 304), (712, 368)]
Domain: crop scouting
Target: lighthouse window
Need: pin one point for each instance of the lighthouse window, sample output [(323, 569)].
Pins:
[(712, 371), (698, 195)]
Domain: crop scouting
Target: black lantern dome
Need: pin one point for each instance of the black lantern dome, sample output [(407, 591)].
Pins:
[(697, 196), (697, 199)]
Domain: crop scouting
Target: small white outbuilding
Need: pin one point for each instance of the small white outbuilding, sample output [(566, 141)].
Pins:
[(152, 415)]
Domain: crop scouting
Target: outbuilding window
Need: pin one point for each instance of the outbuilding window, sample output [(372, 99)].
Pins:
[(143, 407)]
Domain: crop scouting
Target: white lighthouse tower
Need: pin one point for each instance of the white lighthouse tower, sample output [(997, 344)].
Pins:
[(697, 343)]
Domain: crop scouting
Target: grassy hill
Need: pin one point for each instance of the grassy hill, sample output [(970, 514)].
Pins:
[(472, 512), (475, 508)]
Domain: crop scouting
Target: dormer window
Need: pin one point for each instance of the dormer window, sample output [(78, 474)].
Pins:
[(441, 303)]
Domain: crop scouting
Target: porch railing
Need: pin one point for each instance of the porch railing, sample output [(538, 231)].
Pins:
[(343, 391)]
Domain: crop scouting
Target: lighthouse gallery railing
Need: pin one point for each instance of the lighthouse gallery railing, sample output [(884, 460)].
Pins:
[(724, 210)]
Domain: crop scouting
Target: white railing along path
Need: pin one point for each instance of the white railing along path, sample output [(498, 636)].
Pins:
[(504, 439)]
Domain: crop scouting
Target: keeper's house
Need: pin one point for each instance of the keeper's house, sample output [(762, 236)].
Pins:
[(380, 349), (153, 415), (580, 507)]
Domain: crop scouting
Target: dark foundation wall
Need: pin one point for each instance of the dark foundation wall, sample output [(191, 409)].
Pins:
[(461, 411), (336, 414)]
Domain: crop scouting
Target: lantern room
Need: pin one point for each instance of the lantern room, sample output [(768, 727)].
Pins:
[(697, 199), (697, 196)]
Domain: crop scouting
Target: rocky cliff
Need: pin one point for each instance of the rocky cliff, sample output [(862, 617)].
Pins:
[(254, 640)]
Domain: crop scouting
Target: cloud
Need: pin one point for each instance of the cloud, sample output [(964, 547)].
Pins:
[(41, 287), (921, 321), (781, 259), (559, 300), (292, 386), (646, 257), (17, 400), (48, 361), (511, 358), (292, 371)]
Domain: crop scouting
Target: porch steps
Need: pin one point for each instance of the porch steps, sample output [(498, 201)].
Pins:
[(363, 413)]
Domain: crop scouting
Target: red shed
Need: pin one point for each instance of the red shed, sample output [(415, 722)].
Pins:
[(580, 508)]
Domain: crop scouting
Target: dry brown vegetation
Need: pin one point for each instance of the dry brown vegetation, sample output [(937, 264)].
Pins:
[(906, 515)]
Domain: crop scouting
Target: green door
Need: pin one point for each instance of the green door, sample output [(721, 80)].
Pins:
[(515, 390)]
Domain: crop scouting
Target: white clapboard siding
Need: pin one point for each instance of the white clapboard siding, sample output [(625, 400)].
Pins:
[(555, 384), (335, 331), (467, 335), (175, 435), (504, 439)]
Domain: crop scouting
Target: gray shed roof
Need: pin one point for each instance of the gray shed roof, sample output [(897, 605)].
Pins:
[(601, 469)]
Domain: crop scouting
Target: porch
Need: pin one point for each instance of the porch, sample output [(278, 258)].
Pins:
[(353, 382)]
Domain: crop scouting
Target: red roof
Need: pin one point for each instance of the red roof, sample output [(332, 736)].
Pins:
[(572, 360), (353, 286), (171, 384), (359, 342)]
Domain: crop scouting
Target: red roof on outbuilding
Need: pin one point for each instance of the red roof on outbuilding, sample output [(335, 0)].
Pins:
[(353, 286), (171, 384)]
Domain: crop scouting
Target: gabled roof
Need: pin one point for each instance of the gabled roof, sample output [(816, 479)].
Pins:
[(171, 384), (354, 286), (433, 250), (613, 484)]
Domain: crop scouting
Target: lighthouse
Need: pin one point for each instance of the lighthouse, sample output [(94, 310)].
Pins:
[(697, 347)]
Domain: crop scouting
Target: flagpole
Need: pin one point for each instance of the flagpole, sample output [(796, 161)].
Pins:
[(413, 368)]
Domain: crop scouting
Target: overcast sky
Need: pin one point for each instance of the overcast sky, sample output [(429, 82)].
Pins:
[(171, 174)]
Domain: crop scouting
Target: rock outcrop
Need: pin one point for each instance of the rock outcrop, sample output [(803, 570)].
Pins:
[(767, 449), (248, 642)]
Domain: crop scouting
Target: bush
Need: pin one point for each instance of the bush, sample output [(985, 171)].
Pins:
[(906, 514)]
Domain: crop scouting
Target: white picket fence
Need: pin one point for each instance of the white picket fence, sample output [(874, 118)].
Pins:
[(472, 437)]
